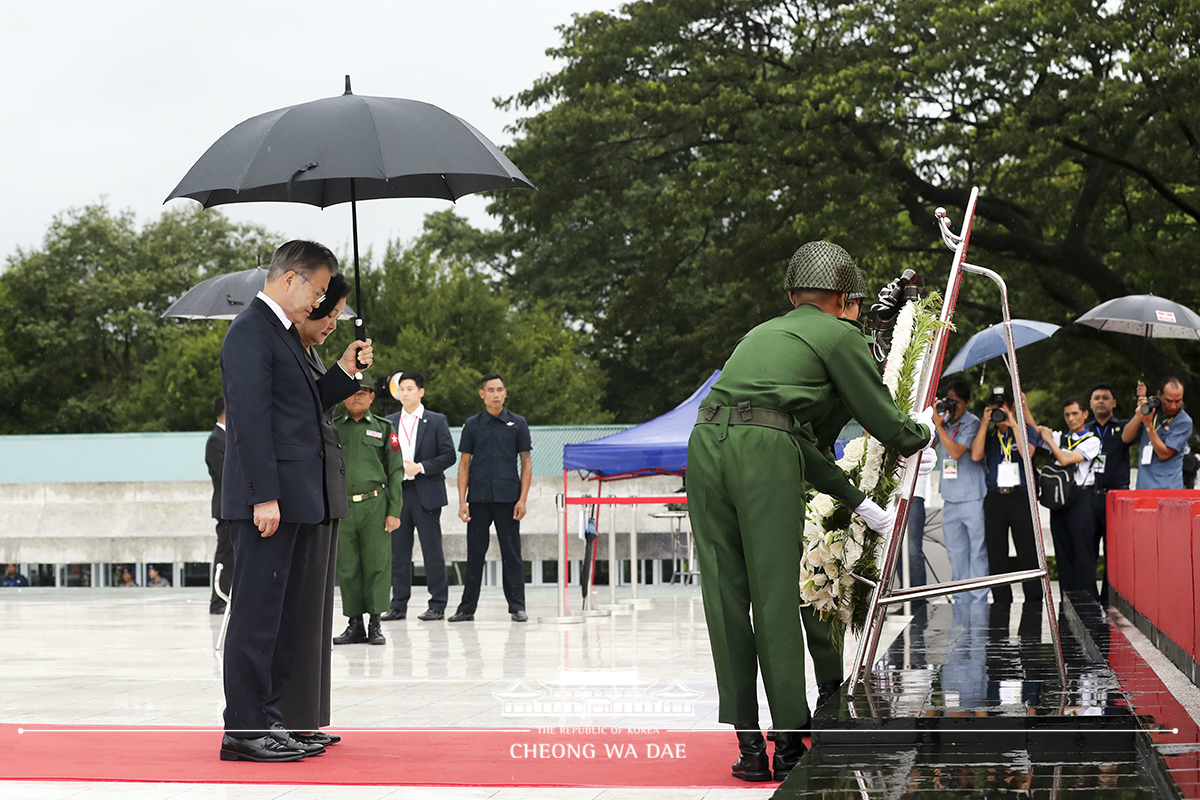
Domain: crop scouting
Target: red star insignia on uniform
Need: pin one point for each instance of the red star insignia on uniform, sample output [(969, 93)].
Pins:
[(395, 441)]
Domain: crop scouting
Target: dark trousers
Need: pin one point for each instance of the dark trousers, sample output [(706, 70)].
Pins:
[(224, 558), (305, 703), (1075, 545), (1100, 524), (916, 541), (428, 524), (508, 534), (1004, 512), (260, 644)]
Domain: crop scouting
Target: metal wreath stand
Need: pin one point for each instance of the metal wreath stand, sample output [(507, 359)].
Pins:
[(883, 594)]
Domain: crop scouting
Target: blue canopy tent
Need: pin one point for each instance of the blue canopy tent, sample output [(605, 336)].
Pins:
[(657, 447)]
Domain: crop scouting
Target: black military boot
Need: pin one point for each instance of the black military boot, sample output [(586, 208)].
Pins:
[(752, 764), (354, 633), (789, 748), (374, 634)]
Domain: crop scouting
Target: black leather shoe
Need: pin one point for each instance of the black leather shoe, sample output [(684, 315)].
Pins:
[(264, 748), (374, 633), (354, 633), (320, 737), (304, 745), (459, 616), (789, 749), (432, 614), (217, 610), (393, 614), (826, 691), (752, 765), (520, 616)]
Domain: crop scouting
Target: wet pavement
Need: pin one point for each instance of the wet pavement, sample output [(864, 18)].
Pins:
[(967, 702)]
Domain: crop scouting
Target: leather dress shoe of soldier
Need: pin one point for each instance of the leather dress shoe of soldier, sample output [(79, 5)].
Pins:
[(789, 749), (520, 616), (354, 633), (752, 764), (393, 614), (826, 691), (461, 616), (264, 748), (374, 631), (432, 614), (304, 745)]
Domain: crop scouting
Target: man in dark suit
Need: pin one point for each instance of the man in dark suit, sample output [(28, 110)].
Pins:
[(423, 437), (273, 482), (214, 457)]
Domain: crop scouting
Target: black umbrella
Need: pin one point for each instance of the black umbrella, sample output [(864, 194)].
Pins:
[(224, 296), (1144, 315), (346, 149)]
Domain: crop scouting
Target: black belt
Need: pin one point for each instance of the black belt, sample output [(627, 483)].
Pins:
[(358, 498), (1008, 489), (745, 414)]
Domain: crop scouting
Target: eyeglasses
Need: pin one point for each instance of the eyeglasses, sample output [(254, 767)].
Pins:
[(321, 296)]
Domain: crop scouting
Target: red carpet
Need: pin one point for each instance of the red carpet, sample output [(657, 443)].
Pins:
[(561, 757)]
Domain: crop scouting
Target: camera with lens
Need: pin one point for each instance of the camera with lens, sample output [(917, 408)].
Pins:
[(945, 405), (1151, 405), (996, 402)]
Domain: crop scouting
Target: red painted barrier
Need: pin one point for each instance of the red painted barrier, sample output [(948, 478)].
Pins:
[(1154, 559)]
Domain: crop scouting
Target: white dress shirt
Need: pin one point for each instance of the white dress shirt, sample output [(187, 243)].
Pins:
[(278, 309), (407, 431)]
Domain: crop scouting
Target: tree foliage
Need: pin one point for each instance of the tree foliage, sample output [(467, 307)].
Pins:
[(432, 306), (687, 147)]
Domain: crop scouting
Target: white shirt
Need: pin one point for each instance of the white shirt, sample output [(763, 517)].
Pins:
[(278, 309), (1090, 448), (407, 431)]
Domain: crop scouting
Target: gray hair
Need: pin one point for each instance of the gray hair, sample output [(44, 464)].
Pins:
[(301, 256)]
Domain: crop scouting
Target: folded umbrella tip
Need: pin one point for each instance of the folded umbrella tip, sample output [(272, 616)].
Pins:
[(348, 85)]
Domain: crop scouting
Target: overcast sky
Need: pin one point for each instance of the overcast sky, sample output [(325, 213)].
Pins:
[(117, 100)]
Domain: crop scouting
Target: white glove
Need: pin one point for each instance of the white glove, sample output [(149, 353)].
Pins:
[(926, 418), (878, 519), (928, 462)]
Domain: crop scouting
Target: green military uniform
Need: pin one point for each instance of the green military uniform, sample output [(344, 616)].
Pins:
[(746, 496), (374, 472)]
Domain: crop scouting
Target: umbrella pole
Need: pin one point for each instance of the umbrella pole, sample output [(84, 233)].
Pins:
[(360, 330)]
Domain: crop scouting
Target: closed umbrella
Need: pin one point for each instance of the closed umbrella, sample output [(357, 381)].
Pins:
[(345, 149)]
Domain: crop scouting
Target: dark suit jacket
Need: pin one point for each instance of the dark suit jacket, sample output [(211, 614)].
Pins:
[(273, 409), (335, 457), (214, 457), (434, 450)]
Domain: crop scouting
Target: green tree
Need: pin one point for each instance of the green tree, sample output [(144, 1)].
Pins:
[(686, 147), (431, 306), (86, 349)]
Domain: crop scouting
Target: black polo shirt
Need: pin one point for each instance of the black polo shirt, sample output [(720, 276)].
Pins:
[(1115, 474), (494, 444)]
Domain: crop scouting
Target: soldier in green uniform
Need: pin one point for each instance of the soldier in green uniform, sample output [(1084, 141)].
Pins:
[(747, 462), (374, 471)]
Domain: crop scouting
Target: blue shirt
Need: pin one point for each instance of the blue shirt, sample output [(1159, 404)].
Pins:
[(494, 444), (969, 484), (1112, 472), (994, 453), (1168, 474)]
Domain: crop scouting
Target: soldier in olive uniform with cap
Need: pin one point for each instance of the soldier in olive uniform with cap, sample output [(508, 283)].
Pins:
[(374, 472), (747, 460)]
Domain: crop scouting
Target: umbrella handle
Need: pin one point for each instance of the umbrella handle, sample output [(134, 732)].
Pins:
[(360, 333)]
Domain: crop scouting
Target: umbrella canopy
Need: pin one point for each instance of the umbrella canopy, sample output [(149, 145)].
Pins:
[(1144, 315), (990, 342), (347, 148), (225, 296)]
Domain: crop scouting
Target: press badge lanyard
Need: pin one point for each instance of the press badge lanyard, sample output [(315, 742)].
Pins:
[(950, 465), (1008, 472), (408, 433), (1148, 450)]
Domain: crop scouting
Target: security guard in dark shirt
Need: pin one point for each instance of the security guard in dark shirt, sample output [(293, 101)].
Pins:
[(1112, 465), (374, 472)]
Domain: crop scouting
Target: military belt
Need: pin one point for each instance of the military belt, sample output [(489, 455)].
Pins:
[(358, 498), (745, 414)]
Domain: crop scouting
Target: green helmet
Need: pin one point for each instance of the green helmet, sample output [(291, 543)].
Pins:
[(859, 292), (821, 265)]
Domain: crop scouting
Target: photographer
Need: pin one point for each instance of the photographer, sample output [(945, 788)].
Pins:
[(1071, 527), (1006, 505), (963, 489), (1164, 431)]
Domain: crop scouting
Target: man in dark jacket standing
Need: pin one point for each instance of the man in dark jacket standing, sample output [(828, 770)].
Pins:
[(423, 438), (273, 481), (214, 458)]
